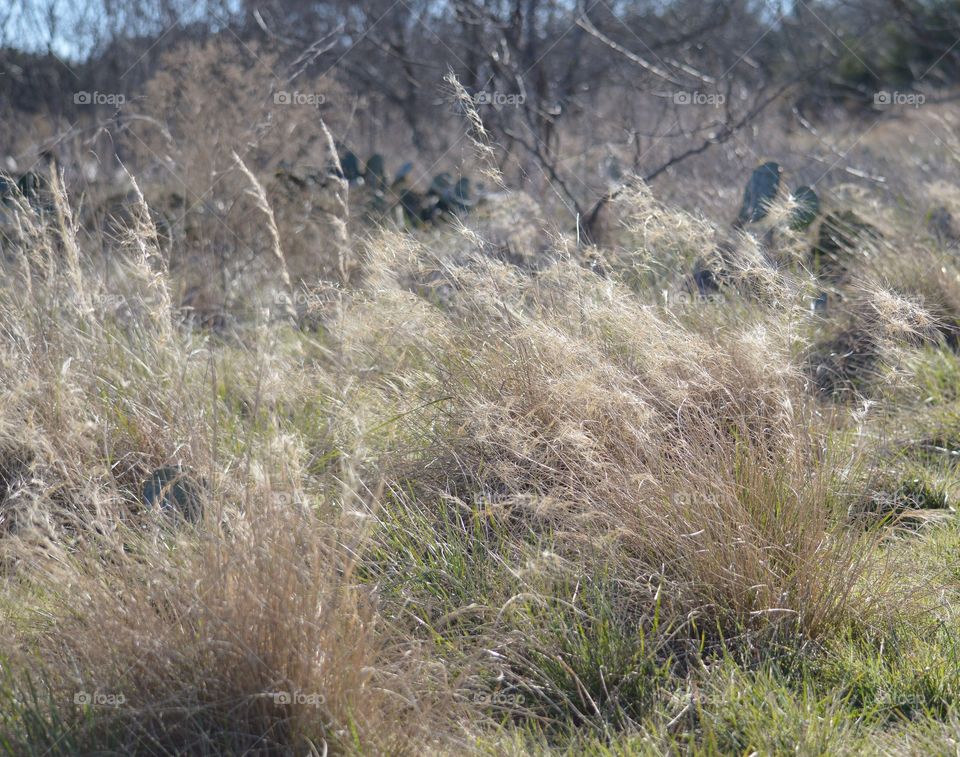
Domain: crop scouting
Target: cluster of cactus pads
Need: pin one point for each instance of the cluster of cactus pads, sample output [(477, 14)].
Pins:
[(29, 185), (444, 198), (29, 189), (761, 192), (836, 235)]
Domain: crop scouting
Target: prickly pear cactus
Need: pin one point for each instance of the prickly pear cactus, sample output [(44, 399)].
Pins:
[(841, 236), (376, 172), (761, 191), (441, 184), (412, 204), (403, 173), (350, 165), (7, 190), (30, 185), (941, 223), (436, 202), (807, 209), (174, 493), (460, 196), (407, 205)]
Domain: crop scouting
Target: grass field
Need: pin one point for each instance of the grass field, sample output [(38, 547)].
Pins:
[(556, 501)]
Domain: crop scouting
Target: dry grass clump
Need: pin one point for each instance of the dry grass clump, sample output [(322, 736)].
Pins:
[(607, 420), (647, 241), (257, 639), (206, 103), (250, 632), (929, 272), (868, 340), (458, 478), (511, 225)]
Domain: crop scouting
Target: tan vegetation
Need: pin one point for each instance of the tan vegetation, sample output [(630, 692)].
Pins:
[(457, 501), (349, 406)]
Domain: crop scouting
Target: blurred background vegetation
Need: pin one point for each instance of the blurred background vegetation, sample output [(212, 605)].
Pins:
[(575, 94)]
